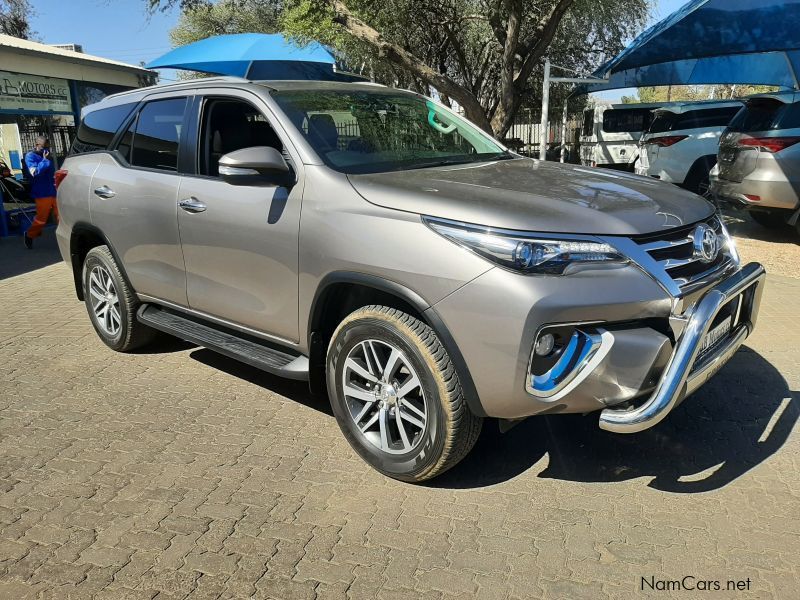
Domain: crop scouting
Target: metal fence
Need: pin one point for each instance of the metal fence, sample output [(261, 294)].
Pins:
[(524, 135)]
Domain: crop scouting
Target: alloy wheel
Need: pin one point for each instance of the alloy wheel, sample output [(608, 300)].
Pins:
[(384, 396), (105, 301)]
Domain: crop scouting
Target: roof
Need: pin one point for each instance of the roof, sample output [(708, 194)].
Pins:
[(28, 47)]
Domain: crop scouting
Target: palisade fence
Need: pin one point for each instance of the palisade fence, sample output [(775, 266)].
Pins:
[(523, 137)]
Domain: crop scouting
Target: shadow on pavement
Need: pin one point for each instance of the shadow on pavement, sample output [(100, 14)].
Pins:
[(726, 428), (296, 391), (15, 259), (740, 224)]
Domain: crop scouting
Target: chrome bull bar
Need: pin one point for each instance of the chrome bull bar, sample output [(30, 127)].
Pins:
[(682, 376)]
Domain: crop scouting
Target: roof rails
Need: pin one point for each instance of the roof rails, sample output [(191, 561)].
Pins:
[(182, 83)]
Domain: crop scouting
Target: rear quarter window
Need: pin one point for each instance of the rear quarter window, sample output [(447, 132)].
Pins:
[(98, 128)]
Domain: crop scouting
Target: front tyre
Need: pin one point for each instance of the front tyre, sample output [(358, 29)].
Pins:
[(396, 395), (111, 303)]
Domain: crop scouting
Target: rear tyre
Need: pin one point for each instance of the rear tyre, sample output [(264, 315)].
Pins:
[(111, 303), (396, 395), (769, 220)]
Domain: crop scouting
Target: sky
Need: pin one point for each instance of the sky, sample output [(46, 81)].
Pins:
[(123, 30)]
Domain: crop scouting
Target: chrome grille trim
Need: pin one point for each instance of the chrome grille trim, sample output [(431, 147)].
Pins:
[(664, 244), (669, 258)]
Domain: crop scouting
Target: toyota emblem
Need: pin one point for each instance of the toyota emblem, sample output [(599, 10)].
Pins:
[(706, 243)]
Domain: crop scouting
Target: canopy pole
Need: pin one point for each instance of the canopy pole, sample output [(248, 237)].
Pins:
[(545, 111), (564, 132)]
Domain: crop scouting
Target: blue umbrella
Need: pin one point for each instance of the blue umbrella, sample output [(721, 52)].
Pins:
[(252, 55)]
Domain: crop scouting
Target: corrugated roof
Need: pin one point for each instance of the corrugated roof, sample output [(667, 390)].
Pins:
[(27, 46)]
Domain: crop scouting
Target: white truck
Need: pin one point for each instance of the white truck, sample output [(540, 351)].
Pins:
[(610, 134)]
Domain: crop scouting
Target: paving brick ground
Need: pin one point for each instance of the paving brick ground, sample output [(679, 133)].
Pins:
[(175, 472)]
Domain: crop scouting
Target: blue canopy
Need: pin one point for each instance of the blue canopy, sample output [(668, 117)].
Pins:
[(713, 42), (254, 56)]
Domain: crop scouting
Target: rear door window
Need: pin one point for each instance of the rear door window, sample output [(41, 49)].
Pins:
[(99, 127), (157, 135)]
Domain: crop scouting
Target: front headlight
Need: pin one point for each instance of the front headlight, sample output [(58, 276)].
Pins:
[(523, 252)]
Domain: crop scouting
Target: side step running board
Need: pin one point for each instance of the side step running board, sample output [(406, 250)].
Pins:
[(246, 349)]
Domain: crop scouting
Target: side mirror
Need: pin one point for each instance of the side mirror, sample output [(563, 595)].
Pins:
[(251, 166)]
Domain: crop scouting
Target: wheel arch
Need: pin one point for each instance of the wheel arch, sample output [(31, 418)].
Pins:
[(83, 238), (700, 167), (340, 293)]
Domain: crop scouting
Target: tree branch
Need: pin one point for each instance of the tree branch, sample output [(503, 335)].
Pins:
[(402, 57)]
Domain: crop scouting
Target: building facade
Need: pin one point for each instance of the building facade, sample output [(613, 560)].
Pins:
[(43, 89)]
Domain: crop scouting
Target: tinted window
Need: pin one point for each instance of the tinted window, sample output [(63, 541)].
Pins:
[(360, 131), (158, 129), (626, 120), (764, 114), (98, 128), (124, 145), (693, 119)]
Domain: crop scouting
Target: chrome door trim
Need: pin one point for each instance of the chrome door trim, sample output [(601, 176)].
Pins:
[(192, 205), (104, 192)]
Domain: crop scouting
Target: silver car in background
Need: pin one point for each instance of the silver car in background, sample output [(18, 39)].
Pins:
[(376, 244), (758, 166)]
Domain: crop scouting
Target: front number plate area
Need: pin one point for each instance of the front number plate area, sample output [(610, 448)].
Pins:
[(716, 334)]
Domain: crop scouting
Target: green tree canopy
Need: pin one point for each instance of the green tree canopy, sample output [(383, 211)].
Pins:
[(15, 18), (485, 55)]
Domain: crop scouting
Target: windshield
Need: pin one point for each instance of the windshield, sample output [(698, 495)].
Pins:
[(360, 131)]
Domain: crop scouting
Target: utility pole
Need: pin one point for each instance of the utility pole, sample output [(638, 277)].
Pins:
[(545, 111), (543, 135)]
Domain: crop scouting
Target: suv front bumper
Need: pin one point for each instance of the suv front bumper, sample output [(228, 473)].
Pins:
[(686, 370), (645, 352)]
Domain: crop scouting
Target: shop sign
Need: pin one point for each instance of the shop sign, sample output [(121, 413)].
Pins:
[(31, 92)]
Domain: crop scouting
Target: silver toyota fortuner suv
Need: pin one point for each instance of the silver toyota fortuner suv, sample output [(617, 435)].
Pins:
[(373, 242)]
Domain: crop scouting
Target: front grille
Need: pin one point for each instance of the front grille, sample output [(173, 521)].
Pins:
[(674, 253)]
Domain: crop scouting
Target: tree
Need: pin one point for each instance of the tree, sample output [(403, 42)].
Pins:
[(691, 93), (485, 55), (204, 19), (14, 18)]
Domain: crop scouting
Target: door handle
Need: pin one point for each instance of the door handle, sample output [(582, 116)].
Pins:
[(192, 205), (104, 192)]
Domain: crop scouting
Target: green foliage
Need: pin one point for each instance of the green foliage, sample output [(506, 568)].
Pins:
[(15, 18), (455, 48), (691, 93), (206, 19)]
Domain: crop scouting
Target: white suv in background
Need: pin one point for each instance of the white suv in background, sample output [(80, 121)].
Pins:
[(681, 145)]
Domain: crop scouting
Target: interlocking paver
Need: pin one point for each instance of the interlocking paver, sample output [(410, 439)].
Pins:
[(175, 473)]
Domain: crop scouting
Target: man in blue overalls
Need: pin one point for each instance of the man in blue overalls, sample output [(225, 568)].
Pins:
[(40, 170)]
